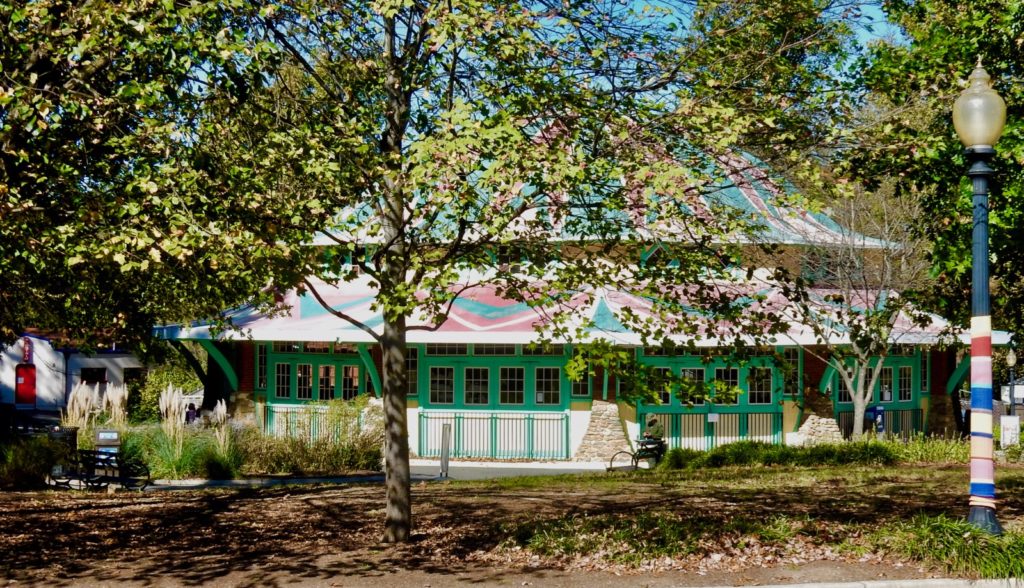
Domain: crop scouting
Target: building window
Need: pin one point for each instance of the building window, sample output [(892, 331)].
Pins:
[(287, 347), (325, 382), (368, 384), (261, 366), (548, 385), (494, 350), (317, 347), (476, 385), (512, 385), (442, 385), (349, 381), (695, 389), (663, 384), (412, 356), (345, 349), (906, 379), (304, 381), (446, 349), (925, 371), (727, 379), (844, 390), (543, 350), (582, 387), (791, 380), (760, 391), (885, 384), (282, 380)]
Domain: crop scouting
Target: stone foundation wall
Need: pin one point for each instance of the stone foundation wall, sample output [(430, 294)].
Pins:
[(605, 435)]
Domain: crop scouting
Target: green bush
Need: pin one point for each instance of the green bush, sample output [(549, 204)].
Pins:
[(748, 453), (26, 462), (145, 406), (922, 449), (200, 456), (262, 454)]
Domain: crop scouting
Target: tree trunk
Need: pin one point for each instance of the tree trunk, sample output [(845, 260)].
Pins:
[(398, 512)]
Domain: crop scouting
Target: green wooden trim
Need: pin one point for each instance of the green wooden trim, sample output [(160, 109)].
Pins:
[(826, 379), (604, 384), (225, 365), (959, 374), (364, 354)]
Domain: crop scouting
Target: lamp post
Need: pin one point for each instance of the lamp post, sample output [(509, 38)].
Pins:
[(1011, 361), (978, 116)]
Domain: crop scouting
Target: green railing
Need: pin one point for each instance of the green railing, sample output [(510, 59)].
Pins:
[(309, 422), (496, 435), (704, 431)]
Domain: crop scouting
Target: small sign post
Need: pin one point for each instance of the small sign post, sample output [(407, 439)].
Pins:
[(446, 438)]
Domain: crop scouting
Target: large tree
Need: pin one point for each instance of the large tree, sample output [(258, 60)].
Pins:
[(913, 82), (540, 145), (110, 219)]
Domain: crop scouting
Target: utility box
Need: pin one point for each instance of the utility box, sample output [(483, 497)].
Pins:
[(108, 441)]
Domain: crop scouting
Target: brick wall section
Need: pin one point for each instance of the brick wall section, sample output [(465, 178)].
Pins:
[(604, 436)]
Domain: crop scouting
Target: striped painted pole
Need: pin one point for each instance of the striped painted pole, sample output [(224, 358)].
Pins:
[(983, 485)]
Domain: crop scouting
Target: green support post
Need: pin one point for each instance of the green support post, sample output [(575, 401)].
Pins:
[(225, 365)]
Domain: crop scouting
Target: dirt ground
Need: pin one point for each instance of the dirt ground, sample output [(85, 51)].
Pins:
[(329, 535)]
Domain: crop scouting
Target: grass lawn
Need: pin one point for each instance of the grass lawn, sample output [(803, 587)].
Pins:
[(904, 521)]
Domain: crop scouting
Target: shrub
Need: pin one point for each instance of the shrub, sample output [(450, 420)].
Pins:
[(747, 453), (922, 449), (145, 406), (25, 462), (263, 454)]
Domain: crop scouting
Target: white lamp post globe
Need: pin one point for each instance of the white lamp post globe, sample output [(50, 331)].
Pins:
[(979, 113)]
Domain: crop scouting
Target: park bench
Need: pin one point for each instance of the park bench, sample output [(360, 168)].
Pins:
[(96, 470)]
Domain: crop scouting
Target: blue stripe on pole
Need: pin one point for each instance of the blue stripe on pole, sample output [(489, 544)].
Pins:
[(981, 396), (983, 490), (979, 434)]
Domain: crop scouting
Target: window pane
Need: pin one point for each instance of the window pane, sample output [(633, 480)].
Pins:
[(476, 385), (925, 376), (664, 389), (412, 371), (885, 384), (286, 347), (283, 380), (261, 367), (494, 349), (542, 350), (446, 349), (345, 349), (695, 375), (760, 391), (547, 384), (512, 385), (727, 379), (442, 385), (317, 347), (906, 377), (844, 390), (791, 385), (349, 381), (325, 380), (582, 387), (304, 381)]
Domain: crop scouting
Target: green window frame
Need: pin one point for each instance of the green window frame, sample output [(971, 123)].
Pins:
[(665, 389), (261, 366), (412, 358)]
